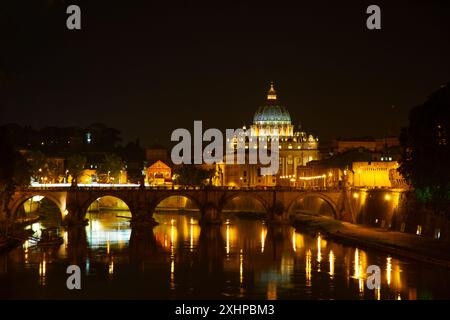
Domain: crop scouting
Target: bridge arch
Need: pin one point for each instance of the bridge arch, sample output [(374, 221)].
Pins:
[(92, 199), (160, 200), (17, 202), (327, 200), (227, 200)]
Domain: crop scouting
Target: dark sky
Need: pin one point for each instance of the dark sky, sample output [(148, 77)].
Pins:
[(148, 68)]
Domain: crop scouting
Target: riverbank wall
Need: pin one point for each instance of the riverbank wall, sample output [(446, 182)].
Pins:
[(398, 210)]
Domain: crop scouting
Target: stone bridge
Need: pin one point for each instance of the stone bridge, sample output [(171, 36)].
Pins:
[(142, 202)]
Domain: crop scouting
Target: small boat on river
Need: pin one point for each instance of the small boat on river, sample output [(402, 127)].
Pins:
[(49, 238)]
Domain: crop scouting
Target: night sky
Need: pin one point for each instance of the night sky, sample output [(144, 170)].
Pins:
[(150, 67)]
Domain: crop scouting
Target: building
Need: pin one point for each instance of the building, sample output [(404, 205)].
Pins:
[(272, 121), (379, 174), (158, 173)]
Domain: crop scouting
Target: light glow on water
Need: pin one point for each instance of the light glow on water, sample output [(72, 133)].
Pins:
[(245, 258)]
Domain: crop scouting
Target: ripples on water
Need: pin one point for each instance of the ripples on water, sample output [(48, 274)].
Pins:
[(239, 259)]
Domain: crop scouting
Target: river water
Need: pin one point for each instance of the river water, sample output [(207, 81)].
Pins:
[(241, 259)]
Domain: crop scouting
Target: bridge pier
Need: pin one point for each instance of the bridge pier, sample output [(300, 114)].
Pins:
[(210, 214), (143, 218), (142, 209), (278, 214), (77, 244), (75, 216)]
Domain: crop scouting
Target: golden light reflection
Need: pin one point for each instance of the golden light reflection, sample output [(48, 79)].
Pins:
[(331, 259), (294, 242), (378, 294), (308, 268), (359, 263), (191, 238), (272, 290), (111, 267), (173, 236), (228, 240), (397, 277), (241, 267), (263, 237), (298, 241), (172, 273), (43, 270), (356, 265), (388, 270), (319, 251), (361, 285)]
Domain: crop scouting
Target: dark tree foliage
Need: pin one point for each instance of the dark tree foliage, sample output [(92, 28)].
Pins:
[(345, 159), (426, 158), (111, 166), (14, 172), (103, 137), (75, 164), (37, 162), (133, 156), (190, 175)]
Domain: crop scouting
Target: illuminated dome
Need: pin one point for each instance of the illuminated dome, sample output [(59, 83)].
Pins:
[(272, 112), (272, 119)]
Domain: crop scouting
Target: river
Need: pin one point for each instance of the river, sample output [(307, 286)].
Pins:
[(241, 259)]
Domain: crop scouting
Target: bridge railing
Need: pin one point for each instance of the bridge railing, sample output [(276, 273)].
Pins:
[(61, 188)]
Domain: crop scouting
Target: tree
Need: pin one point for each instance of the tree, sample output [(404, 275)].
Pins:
[(190, 175), (111, 166), (345, 159), (38, 165), (14, 172), (426, 144), (103, 137), (133, 155), (75, 164)]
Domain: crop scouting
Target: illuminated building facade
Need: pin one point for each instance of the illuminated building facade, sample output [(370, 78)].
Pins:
[(377, 174), (272, 121), (159, 173)]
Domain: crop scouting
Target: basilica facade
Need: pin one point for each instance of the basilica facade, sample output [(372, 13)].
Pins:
[(272, 121)]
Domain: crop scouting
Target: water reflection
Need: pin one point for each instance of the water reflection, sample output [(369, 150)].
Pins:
[(180, 259)]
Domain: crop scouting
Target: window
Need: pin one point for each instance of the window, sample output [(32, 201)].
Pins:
[(289, 160)]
